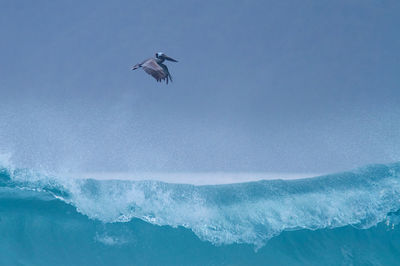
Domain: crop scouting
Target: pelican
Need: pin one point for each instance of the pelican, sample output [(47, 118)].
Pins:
[(156, 68)]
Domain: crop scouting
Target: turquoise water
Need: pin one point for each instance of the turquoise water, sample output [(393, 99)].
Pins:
[(347, 218)]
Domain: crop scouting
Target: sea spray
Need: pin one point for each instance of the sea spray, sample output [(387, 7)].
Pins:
[(250, 213)]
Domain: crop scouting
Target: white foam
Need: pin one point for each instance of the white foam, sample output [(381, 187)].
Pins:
[(194, 178), (245, 213)]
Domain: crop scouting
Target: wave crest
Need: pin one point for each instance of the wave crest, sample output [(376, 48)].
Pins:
[(250, 212)]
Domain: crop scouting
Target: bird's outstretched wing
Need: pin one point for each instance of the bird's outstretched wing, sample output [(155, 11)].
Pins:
[(152, 68)]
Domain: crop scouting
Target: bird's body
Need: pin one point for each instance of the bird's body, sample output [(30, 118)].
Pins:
[(156, 68)]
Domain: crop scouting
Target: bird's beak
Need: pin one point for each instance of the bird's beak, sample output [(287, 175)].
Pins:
[(170, 59)]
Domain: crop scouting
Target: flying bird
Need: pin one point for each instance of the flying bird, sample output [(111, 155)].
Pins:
[(156, 68)]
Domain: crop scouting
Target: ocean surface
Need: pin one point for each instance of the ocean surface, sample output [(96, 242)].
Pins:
[(349, 218)]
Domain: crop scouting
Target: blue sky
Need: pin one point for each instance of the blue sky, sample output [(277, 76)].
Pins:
[(287, 86)]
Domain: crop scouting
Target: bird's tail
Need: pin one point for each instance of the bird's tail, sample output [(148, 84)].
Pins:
[(136, 66)]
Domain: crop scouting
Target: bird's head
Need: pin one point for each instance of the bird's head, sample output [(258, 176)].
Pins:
[(161, 55)]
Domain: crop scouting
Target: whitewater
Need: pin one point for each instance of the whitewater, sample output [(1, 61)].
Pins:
[(347, 218)]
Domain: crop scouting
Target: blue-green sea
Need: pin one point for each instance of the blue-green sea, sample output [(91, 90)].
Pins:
[(348, 218)]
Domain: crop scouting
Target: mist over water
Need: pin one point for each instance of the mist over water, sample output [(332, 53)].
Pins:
[(266, 87), (116, 138)]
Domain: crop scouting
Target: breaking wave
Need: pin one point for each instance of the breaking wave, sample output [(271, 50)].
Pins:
[(254, 214)]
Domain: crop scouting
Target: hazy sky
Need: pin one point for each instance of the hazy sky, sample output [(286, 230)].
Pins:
[(288, 86)]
